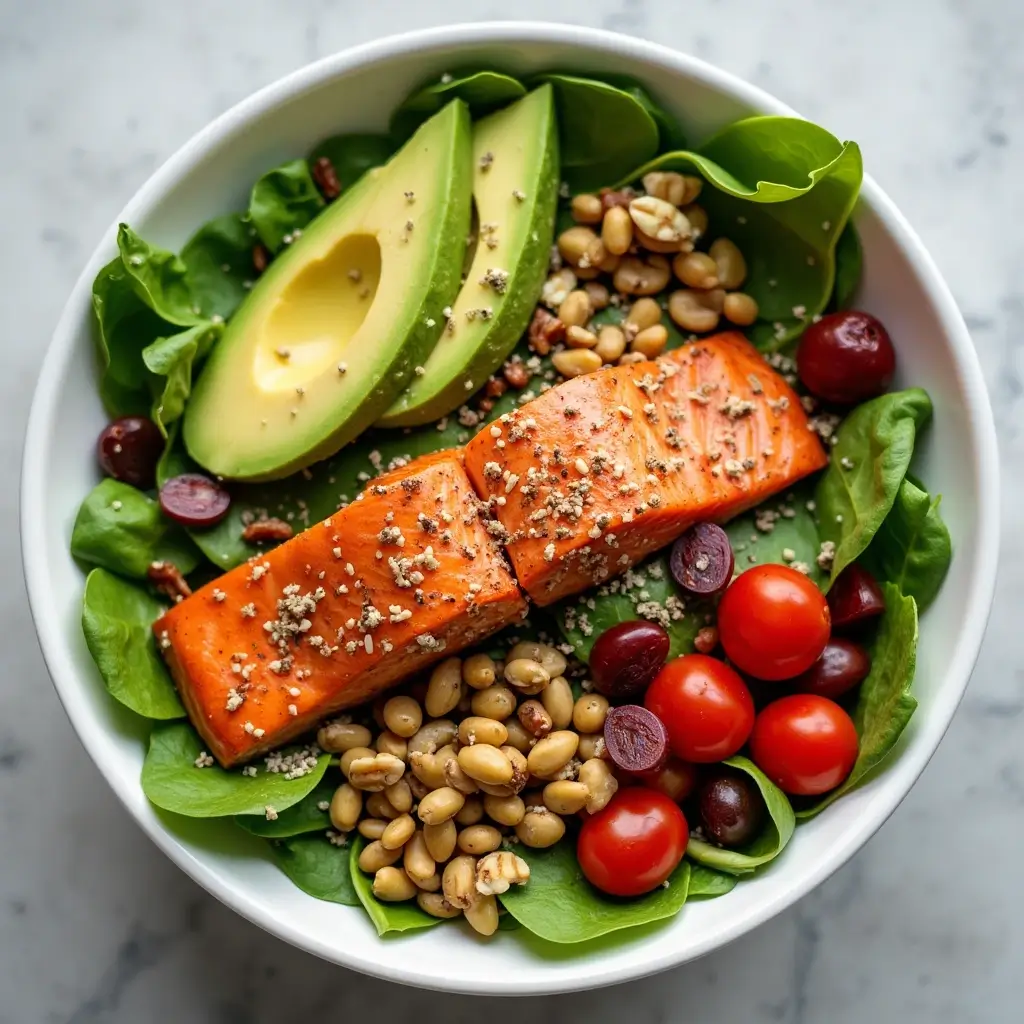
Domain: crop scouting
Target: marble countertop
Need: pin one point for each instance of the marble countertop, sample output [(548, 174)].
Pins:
[(925, 925)]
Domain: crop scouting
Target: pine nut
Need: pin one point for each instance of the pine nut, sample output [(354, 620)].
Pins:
[(642, 314), (374, 773), (611, 343), (429, 768), (740, 309), (600, 784), (435, 904), (574, 242), (617, 230), (565, 796), (576, 362), (557, 700), (419, 789), (337, 737), (518, 737), (580, 337), (478, 671), (732, 267), (374, 856), (632, 357), (589, 712), (591, 745), (552, 752), (393, 885), (548, 657), (638, 277), (499, 870), (440, 805), (667, 185), (444, 688), (696, 270), (398, 832), (372, 828), (458, 883), (587, 208), (534, 800), (400, 795), (403, 716), (520, 767), (432, 736), (575, 310), (472, 811), (455, 777), (527, 675), (482, 914), (346, 806), (598, 294), (505, 810), (441, 839), (534, 718), (378, 806), (540, 829), (476, 729), (391, 743), (698, 218), (651, 341), (692, 311), (352, 754), (416, 860), (486, 764), (479, 839), (496, 701), (598, 256)]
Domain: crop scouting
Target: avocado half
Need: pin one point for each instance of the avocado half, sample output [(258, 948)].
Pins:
[(333, 330), (515, 188)]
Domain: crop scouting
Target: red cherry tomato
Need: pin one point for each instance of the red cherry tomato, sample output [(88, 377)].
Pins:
[(633, 844), (705, 705), (773, 622), (804, 743)]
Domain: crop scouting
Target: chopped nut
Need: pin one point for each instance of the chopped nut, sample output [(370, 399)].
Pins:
[(498, 870), (545, 330), (167, 578), (326, 178), (262, 530), (260, 258)]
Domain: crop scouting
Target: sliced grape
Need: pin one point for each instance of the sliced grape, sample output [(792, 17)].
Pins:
[(635, 738), (731, 807), (627, 657), (854, 596), (846, 357), (194, 500), (702, 559), (129, 449), (842, 666)]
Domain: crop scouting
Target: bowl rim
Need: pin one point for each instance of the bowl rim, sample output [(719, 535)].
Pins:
[(42, 421)]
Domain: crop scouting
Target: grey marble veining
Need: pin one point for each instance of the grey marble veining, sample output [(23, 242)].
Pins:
[(926, 925)]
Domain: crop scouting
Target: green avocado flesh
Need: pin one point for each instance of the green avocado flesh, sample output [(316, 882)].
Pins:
[(335, 327), (515, 187)]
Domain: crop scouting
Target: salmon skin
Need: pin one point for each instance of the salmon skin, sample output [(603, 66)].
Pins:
[(405, 575), (597, 473)]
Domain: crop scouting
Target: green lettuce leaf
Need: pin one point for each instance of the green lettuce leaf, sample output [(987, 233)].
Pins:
[(706, 883), (159, 278), (481, 91), (218, 265), (386, 917), (283, 201), (302, 817), (352, 156), (173, 361), (849, 268), (317, 867)]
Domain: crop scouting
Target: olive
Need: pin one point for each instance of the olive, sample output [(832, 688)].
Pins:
[(846, 358), (626, 657), (129, 449), (854, 596), (702, 559), (842, 666), (194, 500), (731, 808), (635, 738)]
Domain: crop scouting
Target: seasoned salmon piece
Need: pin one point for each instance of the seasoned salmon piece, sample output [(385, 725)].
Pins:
[(600, 471), (405, 575)]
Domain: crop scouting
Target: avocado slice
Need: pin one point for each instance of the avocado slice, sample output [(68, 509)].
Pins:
[(332, 331), (515, 187)]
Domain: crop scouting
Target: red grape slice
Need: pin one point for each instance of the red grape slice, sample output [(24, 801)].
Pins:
[(732, 809), (129, 449), (702, 559), (194, 500), (854, 596), (627, 657), (635, 738), (842, 666), (846, 358)]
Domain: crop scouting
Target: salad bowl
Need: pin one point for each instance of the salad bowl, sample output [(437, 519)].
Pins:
[(355, 91)]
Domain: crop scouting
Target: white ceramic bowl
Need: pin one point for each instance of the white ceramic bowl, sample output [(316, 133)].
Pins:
[(356, 90)]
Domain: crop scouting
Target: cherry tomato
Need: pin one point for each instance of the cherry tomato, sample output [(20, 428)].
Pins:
[(805, 744), (705, 705), (633, 844), (773, 622)]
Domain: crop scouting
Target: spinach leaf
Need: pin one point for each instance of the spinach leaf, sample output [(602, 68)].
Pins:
[(670, 133), (876, 442), (305, 816), (782, 190), (171, 780), (123, 530), (283, 201), (218, 264), (117, 620), (912, 548), (386, 917), (885, 704), (592, 155), (849, 268), (317, 867), (706, 883), (352, 156), (767, 846), (174, 360), (159, 279), (481, 91), (560, 905)]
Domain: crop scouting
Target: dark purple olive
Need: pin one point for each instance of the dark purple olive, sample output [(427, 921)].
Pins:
[(731, 808), (129, 449), (627, 657), (636, 739), (194, 500), (842, 666), (854, 596), (702, 559), (846, 358)]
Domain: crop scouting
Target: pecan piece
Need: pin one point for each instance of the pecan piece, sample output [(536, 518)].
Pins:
[(544, 331), (326, 178), (260, 258), (516, 374), (706, 640), (167, 578), (495, 387), (261, 530), (617, 197)]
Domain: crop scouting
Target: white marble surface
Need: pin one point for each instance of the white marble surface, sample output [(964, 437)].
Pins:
[(925, 925)]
